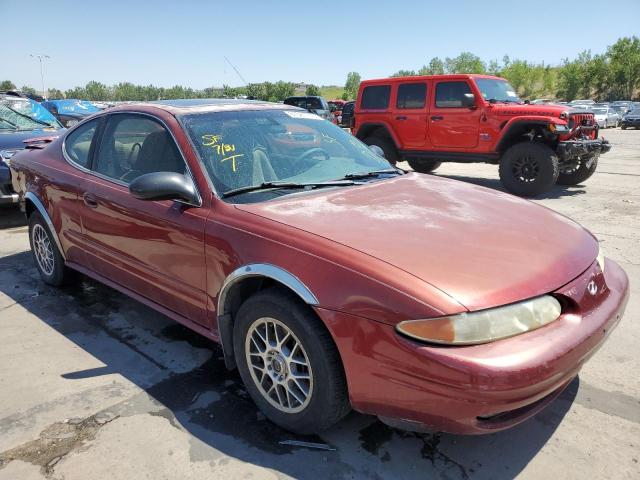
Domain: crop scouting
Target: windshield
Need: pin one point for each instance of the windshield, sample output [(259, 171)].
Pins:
[(247, 148), (335, 106), (498, 90), (17, 113)]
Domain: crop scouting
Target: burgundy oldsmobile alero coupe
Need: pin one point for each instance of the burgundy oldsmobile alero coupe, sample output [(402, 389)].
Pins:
[(332, 279)]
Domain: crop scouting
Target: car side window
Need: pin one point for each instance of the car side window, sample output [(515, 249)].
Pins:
[(133, 145), (411, 95), (376, 97), (77, 145), (451, 94)]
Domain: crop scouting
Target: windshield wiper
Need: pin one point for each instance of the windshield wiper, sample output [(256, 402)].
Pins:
[(287, 185), (41, 122), (10, 123), (375, 173)]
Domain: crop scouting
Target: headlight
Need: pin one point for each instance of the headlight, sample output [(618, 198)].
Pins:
[(7, 154), (486, 325)]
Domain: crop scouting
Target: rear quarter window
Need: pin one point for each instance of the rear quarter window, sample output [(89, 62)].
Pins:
[(376, 97)]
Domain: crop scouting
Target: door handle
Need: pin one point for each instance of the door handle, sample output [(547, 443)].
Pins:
[(401, 117), (89, 200), (437, 118)]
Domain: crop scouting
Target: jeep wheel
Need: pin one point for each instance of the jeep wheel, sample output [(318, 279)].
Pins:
[(424, 166), (578, 173), (289, 363), (529, 169), (387, 146)]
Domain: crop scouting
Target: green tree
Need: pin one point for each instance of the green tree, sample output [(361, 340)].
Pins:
[(97, 91), (466, 62), (312, 91), (351, 85), (435, 67), (624, 64), (255, 90), (28, 89), (7, 85), (55, 94), (404, 73)]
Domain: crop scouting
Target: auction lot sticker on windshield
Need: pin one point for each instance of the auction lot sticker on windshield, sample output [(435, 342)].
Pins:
[(307, 115)]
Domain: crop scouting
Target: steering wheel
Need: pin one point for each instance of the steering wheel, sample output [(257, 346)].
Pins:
[(310, 153)]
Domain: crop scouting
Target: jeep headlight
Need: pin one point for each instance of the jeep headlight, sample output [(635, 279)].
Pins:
[(486, 325)]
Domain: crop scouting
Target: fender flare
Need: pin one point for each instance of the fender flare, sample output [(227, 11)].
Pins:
[(32, 197), (518, 121), (384, 125), (255, 270)]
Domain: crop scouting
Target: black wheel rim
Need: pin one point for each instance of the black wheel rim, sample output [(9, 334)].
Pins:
[(526, 169)]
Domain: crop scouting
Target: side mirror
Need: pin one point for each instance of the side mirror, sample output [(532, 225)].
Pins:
[(377, 150), (164, 186), (469, 100)]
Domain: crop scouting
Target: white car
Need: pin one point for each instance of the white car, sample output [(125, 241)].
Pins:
[(606, 117)]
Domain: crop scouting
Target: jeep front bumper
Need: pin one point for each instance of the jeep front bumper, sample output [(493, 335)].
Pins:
[(570, 149)]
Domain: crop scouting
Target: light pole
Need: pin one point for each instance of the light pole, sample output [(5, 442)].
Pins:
[(41, 57)]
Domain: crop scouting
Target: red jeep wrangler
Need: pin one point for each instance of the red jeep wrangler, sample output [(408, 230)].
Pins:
[(427, 120)]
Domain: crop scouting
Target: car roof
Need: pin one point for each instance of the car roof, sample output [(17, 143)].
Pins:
[(202, 105), (418, 78)]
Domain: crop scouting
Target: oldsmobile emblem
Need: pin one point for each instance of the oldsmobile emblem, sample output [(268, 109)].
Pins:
[(592, 288)]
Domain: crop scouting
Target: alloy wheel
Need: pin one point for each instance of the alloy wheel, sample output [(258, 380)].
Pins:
[(526, 169), (43, 249), (279, 365)]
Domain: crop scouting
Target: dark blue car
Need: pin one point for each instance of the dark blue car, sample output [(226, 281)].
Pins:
[(20, 119), (69, 111)]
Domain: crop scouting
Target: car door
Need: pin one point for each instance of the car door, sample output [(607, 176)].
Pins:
[(154, 248), (409, 114), (451, 124)]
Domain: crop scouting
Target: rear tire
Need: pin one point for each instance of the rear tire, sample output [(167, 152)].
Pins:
[(579, 174), (424, 166), (529, 169), (279, 386), (46, 254), (387, 146)]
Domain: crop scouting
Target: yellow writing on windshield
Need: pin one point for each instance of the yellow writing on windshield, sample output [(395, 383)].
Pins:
[(222, 149)]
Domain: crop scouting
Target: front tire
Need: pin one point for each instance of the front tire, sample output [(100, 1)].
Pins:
[(289, 363), (579, 174), (46, 255), (424, 166), (387, 146), (529, 169)]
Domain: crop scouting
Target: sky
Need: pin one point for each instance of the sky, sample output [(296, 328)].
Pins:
[(185, 42)]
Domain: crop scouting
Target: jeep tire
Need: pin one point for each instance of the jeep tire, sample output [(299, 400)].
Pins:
[(387, 146), (579, 174), (529, 169), (424, 166)]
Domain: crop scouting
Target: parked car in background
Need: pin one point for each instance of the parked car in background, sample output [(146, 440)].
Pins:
[(332, 279), (317, 105), (18, 93), (631, 119), (336, 108), (621, 110), (21, 119), (605, 116), (347, 117), (542, 101), (69, 111), (427, 120), (581, 102)]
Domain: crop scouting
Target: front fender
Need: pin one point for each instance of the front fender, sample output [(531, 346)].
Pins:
[(516, 125)]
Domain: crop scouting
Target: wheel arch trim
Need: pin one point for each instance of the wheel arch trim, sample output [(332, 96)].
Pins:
[(224, 318), (33, 198)]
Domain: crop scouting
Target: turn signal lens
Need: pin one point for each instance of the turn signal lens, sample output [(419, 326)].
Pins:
[(486, 325)]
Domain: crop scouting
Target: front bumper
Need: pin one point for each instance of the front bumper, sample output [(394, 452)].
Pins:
[(7, 195), (570, 149), (635, 122), (481, 388)]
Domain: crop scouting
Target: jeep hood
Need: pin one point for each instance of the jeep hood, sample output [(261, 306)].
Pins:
[(482, 247), (545, 110)]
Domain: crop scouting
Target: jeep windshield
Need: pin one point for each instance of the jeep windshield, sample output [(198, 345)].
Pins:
[(17, 113), (494, 90), (258, 155)]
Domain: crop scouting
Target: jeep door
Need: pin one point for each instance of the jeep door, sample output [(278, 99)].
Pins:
[(451, 124), (154, 248), (409, 114)]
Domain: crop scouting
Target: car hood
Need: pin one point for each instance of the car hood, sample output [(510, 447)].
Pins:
[(544, 110), (482, 247)]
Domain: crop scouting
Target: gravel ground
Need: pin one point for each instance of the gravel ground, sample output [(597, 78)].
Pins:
[(95, 385)]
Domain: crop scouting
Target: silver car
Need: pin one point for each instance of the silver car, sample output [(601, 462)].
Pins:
[(606, 117)]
